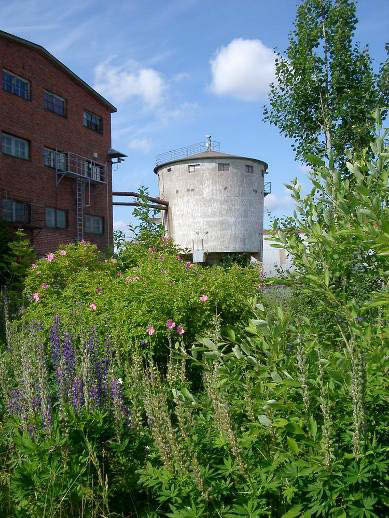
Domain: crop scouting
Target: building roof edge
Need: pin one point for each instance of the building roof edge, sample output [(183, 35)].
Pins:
[(58, 63)]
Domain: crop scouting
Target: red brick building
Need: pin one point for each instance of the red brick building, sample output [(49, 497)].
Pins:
[(55, 153)]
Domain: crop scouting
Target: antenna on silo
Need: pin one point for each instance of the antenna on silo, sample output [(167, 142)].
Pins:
[(209, 142)]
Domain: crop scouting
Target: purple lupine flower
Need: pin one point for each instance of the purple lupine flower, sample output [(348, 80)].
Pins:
[(55, 343), (31, 430), (68, 354), (15, 403), (94, 395), (46, 417), (78, 394), (36, 400), (120, 409)]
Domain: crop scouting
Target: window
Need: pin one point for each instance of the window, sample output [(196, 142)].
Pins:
[(16, 85), (93, 171), (54, 103), (93, 122), (192, 167), (223, 167), (94, 224), (249, 168), (169, 169), (54, 159), (15, 211), (15, 146), (55, 218)]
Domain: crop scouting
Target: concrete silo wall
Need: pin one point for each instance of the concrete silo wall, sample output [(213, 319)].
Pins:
[(217, 211)]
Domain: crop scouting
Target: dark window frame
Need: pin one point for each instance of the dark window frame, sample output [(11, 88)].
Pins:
[(47, 163), (56, 226), (5, 134), (27, 211), (101, 218), (192, 168), (249, 168), (223, 166), (93, 122), (13, 90), (51, 104)]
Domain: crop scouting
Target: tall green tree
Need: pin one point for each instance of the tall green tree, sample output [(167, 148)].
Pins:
[(325, 88)]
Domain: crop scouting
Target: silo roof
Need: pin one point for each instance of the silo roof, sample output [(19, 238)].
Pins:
[(210, 155)]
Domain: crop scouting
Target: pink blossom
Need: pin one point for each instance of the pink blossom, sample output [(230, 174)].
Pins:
[(180, 330), (204, 298), (33, 266), (179, 258), (62, 252), (50, 257), (93, 306), (150, 330), (170, 324), (188, 265), (44, 286), (36, 296)]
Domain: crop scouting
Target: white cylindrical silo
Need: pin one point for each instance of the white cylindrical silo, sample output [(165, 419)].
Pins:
[(215, 202)]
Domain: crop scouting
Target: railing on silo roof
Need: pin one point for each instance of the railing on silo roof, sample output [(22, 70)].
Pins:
[(185, 152)]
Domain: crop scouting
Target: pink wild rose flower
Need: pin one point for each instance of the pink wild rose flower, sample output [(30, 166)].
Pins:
[(150, 330), (180, 330), (44, 286), (36, 296), (62, 252), (93, 306), (50, 257), (170, 324), (203, 298)]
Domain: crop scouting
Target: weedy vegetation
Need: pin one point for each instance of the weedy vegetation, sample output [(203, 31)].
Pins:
[(143, 385)]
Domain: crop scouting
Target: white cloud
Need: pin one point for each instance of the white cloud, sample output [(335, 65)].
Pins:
[(278, 202), (243, 69), (124, 83), (120, 225), (140, 144), (304, 168), (181, 76)]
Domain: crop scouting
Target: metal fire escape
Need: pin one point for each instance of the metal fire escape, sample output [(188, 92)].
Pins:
[(86, 172), (80, 202)]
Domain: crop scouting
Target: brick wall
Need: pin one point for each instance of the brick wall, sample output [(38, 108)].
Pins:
[(30, 180)]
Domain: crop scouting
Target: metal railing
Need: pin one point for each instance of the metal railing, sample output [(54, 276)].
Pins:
[(184, 152), (267, 188), (71, 164)]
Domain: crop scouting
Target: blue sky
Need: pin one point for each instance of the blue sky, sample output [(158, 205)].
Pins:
[(180, 69)]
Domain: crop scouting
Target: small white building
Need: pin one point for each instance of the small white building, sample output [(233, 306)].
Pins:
[(215, 203)]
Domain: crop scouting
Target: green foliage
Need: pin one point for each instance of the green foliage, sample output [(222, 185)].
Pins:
[(139, 288), (325, 88), (273, 402), (16, 257)]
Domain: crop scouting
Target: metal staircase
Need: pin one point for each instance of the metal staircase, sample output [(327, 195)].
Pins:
[(80, 202)]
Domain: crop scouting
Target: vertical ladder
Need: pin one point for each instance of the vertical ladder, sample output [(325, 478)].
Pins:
[(80, 200)]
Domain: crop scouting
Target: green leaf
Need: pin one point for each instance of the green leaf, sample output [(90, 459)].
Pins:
[(263, 419), (292, 444), (280, 422), (312, 426), (293, 512)]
